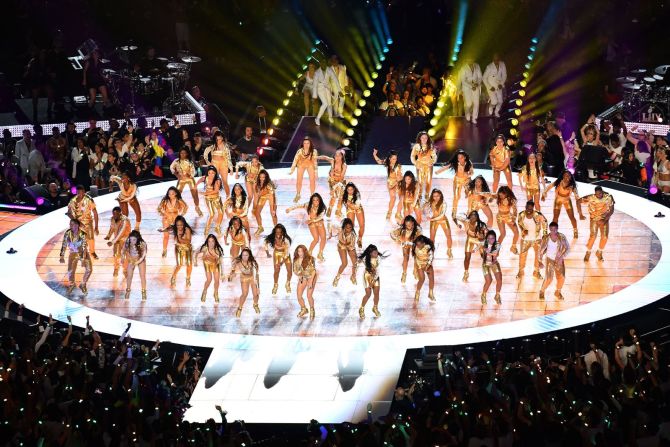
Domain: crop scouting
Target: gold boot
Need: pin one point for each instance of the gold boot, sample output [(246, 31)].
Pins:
[(288, 286), (375, 311), (274, 288), (198, 210), (587, 256), (296, 199), (303, 312), (483, 298), (256, 308), (203, 296), (537, 274), (259, 231), (466, 275), (337, 278), (558, 295), (360, 242), (188, 281), (238, 312), (431, 295), (403, 277), (450, 255), (417, 294), (541, 295), (83, 288), (353, 278), (173, 281), (127, 294), (164, 254), (312, 314), (575, 233), (116, 272), (320, 257), (69, 289), (216, 296), (497, 298), (218, 231), (361, 313), (144, 294), (599, 255), (514, 250)]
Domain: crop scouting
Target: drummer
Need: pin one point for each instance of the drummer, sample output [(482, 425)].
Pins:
[(150, 65)]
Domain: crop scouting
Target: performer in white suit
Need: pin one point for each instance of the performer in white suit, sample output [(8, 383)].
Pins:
[(341, 75), (471, 80), (325, 87), (495, 76)]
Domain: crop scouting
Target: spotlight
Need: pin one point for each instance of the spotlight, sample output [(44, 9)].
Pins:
[(378, 67), (653, 189), (73, 190), (275, 122), (513, 131), (346, 142), (317, 41), (366, 93), (353, 122), (358, 112), (266, 141), (294, 84), (530, 57), (350, 132), (459, 42), (371, 84), (382, 58), (514, 121), (260, 151), (431, 132), (440, 104), (389, 41), (527, 66), (532, 49), (374, 75), (304, 67), (386, 49), (522, 93), (454, 58), (433, 122), (271, 131), (534, 40), (285, 102), (523, 83), (361, 103), (289, 93), (517, 112), (518, 103), (280, 112), (526, 74), (40, 201), (437, 112), (313, 50)]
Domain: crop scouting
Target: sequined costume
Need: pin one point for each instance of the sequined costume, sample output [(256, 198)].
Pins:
[(82, 210), (532, 229), (306, 273), (304, 161), (371, 275), (461, 180), (237, 208), (531, 182), (220, 158), (473, 238), (183, 251), (423, 158), (169, 210), (404, 237), (499, 157), (252, 171), (118, 232), (184, 170), (600, 211), (437, 216), (211, 261), (506, 212), (423, 257), (78, 251), (238, 239), (490, 264), (555, 252), (248, 273)]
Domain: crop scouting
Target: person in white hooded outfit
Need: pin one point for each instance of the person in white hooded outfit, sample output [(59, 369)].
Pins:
[(471, 85), (325, 88), (495, 76)]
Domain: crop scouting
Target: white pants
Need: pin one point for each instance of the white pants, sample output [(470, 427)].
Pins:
[(338, 105), (495, 101), (325, 98), (471, 102)]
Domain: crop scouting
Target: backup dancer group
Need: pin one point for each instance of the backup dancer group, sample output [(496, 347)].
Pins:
[(412, 199)]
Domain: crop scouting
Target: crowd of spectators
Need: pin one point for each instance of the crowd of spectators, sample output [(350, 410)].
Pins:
[(407, 93)]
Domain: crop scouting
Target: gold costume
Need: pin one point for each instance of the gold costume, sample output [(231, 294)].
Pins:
[(78, 248), (498, 157), (531, 182), (437, 216), (552, 266), (314, 219), (184, 170), (307, 273), (213, 199), (82, 210), (252, 170), (265, 194), (220, 158), (280, 253), (506, 212), (423, 258), (302, 160), (353, 207), (118, 231), (404, 237), (473, 238), (371, 276), (600, 211), (132, 255), (423, 158), (183, 251), (248, 273), (562, 198), (126, 195), (478, 200), (394, 177), (239, 239), (346, 242), (489, 265), (237, 208), (211, 261), (531, 240), (169, 211), (410, 200)]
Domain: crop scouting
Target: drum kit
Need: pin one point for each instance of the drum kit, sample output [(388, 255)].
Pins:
[(645, 89), (160, 86)]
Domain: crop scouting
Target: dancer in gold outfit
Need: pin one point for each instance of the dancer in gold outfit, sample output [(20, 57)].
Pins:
[(336, 182), (533, 226), (393, 177), (554, 246), (75, 240), (280, 242), (220, 153), (423, 252), (169, 208), (351, 199), (128, 196), (253, 167), (119, 229), (238, 236), (183, 249), (490, 250), (247, 266), (212, 260), (370, 258), (237, 205), (507, 215), (476, 231), (316, 210), (499, 158), (423, 156), (565, 187), (409, 193), (212, 183), (305, 159), (82, 208), (134, 255), (438, 217), (265, 193), (405, 235), (601, 206), (463, 171), (531, 179), (305, 270), (184, 169), (479, 196), (346, 246)]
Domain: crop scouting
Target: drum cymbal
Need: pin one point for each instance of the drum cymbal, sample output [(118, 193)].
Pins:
[(632, 86), (658, 77), (649, 79), (127, 48), (177, 66), (662, 69), (625, 79), (104, 61), (639, 71), (191, 59), (162, 59)]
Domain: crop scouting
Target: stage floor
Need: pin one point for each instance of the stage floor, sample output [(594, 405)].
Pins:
[(331, 367)]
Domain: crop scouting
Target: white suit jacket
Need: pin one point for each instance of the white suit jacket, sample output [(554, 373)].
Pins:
[(493, 77), (341, 75), (470, 77), (327, 79)]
